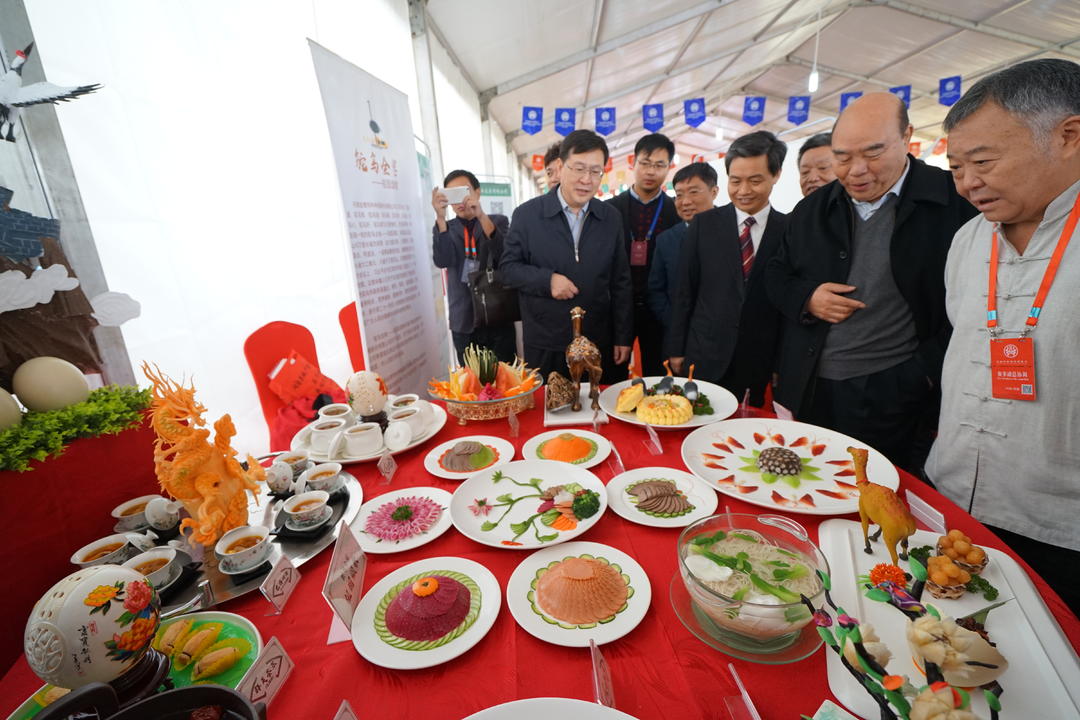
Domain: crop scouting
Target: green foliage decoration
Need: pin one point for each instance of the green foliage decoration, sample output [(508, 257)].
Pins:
[(107, 411)]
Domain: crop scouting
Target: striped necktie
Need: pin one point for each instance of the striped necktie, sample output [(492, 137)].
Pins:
[(747, 246)]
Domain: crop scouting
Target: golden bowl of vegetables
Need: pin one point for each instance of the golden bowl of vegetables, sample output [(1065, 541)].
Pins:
[(485, 388)]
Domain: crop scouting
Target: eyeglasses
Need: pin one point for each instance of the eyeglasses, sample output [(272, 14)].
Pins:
[(652, 165), (595, 171)]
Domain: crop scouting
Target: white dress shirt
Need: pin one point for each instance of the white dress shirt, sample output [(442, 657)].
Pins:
[(758, 228), (866, 210)]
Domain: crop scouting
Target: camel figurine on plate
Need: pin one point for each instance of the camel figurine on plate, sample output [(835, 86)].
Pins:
[(881, 506), (582, 355)]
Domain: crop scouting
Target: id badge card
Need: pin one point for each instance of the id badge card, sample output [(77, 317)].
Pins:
[(1012, 368), (470, 266), (639, 253)]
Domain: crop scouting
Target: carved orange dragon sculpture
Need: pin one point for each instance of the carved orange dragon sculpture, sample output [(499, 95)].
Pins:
[(206, 477)]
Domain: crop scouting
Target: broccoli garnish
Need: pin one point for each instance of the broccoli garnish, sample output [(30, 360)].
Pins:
[(586, 504)]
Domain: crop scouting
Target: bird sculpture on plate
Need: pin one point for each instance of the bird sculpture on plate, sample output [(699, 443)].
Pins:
[(14, 95)]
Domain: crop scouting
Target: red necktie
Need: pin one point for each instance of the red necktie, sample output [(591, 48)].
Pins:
[(747, 246)]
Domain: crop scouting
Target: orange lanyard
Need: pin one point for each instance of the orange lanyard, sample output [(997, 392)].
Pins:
[(1048, 276), (470, 244)]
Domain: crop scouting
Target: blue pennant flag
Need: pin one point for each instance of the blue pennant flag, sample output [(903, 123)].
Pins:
[(605, 120), (903, 92), (564, 120), (652, 116), (753, 109), (532, 119), (949, 90), (694, 111), (798, 109), (846, 98)]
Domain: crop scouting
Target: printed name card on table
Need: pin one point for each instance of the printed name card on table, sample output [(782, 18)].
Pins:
[(603, 689), (344, 581), (280, 583), (267, 674), (345, 712)]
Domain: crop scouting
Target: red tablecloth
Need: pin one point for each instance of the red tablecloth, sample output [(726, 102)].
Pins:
[(660, 670)]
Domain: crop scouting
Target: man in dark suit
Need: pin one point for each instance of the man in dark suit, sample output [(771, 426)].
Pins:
[(552, 166), (565, 249), (462, 246), (860, 280), (722, 321), (646, 212)]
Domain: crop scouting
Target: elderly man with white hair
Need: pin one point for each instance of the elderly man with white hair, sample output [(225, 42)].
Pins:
[(1009, 444)]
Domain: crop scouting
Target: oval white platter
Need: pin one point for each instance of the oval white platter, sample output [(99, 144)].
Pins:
[(504, 450), (547, 708), (376, 651), (697, 493), (721, 400), (371, 544), (529, 451), (513, 480), (723, 455), (534, 621)]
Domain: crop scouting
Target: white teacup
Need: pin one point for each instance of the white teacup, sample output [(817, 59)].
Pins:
[(161, 576), (297, 460), (233, 558), (131, 514), (337, 411), (163, 514), (412, 400), (325, 476), (363, 439), (412, 417), (306, 509), (397, 435), (279, 477), (322, 432), (112, 550)]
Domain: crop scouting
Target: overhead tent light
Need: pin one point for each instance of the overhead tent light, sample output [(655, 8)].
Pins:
[(812, 84)]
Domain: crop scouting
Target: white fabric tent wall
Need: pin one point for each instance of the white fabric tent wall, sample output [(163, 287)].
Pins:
[(206, 171)]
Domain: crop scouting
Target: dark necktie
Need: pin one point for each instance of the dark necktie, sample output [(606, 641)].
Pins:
[(747, 246)]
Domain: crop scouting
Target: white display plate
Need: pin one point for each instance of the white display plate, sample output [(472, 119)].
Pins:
[(700, 495), (300, 441), (722, 401), (719, 467), (518, 587), (504, 448), (603, 446), (548, 708), (482, 485), (567, 417), (1043, 678), (374, 650), (370, 544)]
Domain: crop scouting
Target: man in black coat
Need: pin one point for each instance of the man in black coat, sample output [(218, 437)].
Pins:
[(565, 249), (859, 279), (722, 321), (646, 212)]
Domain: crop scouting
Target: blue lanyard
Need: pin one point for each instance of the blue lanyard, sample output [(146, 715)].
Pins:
[(656, 217)]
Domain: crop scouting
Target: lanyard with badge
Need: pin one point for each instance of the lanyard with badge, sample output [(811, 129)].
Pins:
[(1012, 360), (639, 248), (471, 264)]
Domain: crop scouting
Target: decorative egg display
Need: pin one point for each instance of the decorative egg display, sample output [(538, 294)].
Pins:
[(49, 383), (367, 393), (10, 412), (92, 626)]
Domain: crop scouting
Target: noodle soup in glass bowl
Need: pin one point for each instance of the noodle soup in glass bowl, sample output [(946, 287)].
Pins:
[(746, 573)]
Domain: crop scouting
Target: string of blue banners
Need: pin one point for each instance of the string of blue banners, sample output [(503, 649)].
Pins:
[(694, 110)]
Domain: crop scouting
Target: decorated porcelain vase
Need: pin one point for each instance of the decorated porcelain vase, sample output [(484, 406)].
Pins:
[(92, 626), (367, 393)]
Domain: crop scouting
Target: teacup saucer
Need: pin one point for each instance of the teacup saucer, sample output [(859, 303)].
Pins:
[(247, 570), (327, 511)]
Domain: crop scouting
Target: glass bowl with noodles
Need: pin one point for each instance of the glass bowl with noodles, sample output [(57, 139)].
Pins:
[(746, 574)]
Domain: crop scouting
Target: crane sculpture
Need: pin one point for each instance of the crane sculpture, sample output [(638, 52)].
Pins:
[(14, 95)]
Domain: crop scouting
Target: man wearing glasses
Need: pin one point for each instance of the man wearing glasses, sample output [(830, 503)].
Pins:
[(646, 212), (564, 250), (859, 278)]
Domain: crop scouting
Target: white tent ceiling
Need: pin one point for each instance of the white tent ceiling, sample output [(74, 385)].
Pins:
[(625, 53)]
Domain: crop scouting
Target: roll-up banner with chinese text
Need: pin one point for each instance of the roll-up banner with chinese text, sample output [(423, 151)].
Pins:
[(372, 141)]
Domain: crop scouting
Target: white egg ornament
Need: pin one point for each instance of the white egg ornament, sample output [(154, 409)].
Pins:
[(10, 412), (92, 626), (49, 383), (367, 393)]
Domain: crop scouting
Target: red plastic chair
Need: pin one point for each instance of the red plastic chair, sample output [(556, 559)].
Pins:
[(265, 348), (350, 328)]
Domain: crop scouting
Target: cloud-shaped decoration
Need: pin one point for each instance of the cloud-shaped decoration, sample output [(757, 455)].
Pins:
[(18, 292), (113, 309)]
